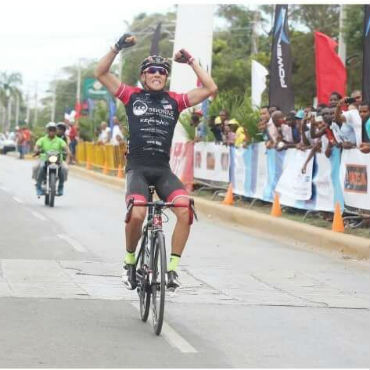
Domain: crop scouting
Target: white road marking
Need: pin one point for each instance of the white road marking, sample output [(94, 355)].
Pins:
[(18, 200), (172, 336), (39, 216), (73, 243)]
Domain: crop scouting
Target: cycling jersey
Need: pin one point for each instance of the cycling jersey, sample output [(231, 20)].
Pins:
[(152, 117)]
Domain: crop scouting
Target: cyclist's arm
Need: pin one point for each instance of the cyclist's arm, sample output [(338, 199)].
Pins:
[(209, 87), (108, 79)]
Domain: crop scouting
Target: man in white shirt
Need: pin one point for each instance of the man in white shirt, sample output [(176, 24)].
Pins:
[(117, 136), (350, 123), (104, 136)]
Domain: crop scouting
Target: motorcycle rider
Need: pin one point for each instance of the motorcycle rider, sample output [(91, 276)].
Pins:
[(49, 142)]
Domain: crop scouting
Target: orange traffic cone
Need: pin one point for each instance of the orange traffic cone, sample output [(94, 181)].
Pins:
[(276, 209), (105, 168), (338, 224), (229, 199), (120, 172)]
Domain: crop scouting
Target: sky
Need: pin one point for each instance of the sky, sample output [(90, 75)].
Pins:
[(39, 37)]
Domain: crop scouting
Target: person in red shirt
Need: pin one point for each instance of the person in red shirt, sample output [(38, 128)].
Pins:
[(72, 134)]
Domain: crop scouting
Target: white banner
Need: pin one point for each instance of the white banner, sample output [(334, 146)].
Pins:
[(293, 182), (211, 162), (194, 32), (259, 73), (354, 178)]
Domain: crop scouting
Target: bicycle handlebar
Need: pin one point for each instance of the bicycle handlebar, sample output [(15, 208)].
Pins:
[(161, 204)]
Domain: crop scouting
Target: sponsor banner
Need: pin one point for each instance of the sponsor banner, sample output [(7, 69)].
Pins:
[(182, 162), (325, 185), (354, 178), (281, 87), (258, 172), (212, 163), (293, 182)]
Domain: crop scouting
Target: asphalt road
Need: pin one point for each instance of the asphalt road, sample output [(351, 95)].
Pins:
[(245, 302)]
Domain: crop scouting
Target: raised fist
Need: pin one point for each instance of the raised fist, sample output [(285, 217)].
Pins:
[(125, 41), (183, 56)]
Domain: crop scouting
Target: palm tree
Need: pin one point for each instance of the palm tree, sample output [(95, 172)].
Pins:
[(9, 83)]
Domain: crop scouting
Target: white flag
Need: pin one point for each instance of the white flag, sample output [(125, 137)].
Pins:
[(259, 73)]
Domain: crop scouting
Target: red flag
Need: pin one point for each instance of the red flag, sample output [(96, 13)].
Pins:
[(331, 74)]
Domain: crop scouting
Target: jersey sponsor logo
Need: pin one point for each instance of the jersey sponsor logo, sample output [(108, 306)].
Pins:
[(168, 106), (139, 108)]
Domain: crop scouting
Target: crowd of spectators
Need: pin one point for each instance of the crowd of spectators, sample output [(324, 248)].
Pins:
[(225, 130), (343, 123)]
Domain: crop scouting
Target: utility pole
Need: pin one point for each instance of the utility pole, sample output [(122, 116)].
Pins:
[(17, 110), (53, 103), (28, 109), (36, 113), (9, 113), (341, 42)]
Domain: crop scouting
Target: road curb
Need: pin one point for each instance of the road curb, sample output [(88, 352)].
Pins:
[(292, 232)]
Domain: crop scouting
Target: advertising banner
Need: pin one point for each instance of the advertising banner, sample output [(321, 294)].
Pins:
[(211, 163), (354, 178)]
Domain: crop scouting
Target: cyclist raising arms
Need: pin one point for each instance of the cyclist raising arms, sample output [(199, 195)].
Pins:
[(152, 115)]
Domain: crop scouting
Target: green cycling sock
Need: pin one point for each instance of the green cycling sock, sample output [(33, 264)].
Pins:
[(174, 261), (130, 258)]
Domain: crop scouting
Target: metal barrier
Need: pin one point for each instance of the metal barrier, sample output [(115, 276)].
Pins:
[(108, 158)]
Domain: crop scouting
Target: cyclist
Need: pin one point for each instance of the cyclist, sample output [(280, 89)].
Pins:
[(47, 143), (152, 115)]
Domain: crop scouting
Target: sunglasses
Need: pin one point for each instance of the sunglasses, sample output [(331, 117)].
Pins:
[(152, 70)]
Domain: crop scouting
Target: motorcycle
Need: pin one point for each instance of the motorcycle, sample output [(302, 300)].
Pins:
[(51, 170)]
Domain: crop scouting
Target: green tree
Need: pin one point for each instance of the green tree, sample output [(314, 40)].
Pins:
[(9, 88)]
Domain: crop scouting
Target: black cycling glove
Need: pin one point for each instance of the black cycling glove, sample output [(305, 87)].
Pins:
[(125, 41)]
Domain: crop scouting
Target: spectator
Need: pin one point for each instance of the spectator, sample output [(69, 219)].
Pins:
[(215, 127), (228, 134), (262, 124), (290, 131), (241, 135), (273, 108), (104, 136), (26, 139), (200, 127), (72, 136), (365, 117), (347, 126), (274, 127), (357, 95), (334, 99), (365, 148), (20, 142), (117, 135)]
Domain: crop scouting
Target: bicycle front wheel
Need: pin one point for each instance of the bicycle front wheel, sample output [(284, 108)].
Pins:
[(159, 269), (143, 280)]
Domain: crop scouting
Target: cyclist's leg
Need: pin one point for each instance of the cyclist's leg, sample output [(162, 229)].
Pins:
[(170, 188), (136, 188)]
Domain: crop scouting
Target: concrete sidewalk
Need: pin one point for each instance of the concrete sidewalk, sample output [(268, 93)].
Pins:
[(294, 233)]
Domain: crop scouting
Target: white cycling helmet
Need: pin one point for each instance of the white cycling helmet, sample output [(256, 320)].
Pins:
[(51, 125)]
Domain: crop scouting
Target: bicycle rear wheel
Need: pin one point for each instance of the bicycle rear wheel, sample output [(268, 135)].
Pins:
[(142, 277), (158, 281)]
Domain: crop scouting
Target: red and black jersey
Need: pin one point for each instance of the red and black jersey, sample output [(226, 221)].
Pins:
[(152, 117)]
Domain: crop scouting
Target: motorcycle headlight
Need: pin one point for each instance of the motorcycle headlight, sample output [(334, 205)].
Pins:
[(53, 159)]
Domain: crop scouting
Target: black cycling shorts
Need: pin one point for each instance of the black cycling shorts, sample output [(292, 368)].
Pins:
[(167, 184)]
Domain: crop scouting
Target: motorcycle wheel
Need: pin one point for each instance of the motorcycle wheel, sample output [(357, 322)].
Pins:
[(52, 180)]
